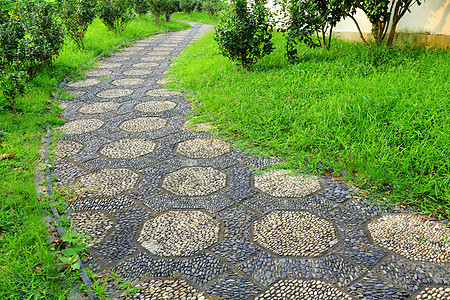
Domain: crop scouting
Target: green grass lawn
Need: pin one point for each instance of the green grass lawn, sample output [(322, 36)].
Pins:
[(387, 125), (28, 269)]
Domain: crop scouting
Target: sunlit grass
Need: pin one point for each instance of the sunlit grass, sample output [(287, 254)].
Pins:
[(385, 121)]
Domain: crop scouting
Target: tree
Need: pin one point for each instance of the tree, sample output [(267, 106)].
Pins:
[(304, 19), (76, 16), (244, 32), (384, 16), (159, 8), (115, 14)]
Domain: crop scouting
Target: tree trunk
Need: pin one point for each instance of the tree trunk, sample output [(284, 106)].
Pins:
[(391, 35), (329, 38), (359, 29)]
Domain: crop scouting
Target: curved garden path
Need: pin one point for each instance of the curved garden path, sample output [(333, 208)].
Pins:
[(186, 216)]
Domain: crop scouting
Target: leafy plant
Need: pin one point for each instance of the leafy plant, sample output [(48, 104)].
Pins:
[(141, 7), (130, 289), (30, 36), (212, 7), (115, 14), (160, 7), (13, 85), (302, 21), (188, 6), (244, 32), (72, 250), (76, 16)]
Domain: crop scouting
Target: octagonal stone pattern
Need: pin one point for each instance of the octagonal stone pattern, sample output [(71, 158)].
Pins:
[(99, 72), (155, 106), (302, 289), (431, 293), (195, 181), (115, 93), (161, 93), (106, 65), (107, 182), (127, 81), (412, 237), (203, 148), (294, 233), (137, 72), (84, 83), (247, 260), (145, 65), (128, 148), (99, 108), (94, 224), (66, 148), (280, 183), (153, 58), (167, 289), (81, 126), (143, 124), (179, 233)]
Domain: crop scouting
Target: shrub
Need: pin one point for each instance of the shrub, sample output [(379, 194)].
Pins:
[(13, 85), (115, 14), (244, 32), (76, 16), (160, 7), (141, 7), (30, 36), (302, 21), (212, 7), (188, 6)]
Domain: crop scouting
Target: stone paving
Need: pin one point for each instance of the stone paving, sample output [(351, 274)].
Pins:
[(184, 215)]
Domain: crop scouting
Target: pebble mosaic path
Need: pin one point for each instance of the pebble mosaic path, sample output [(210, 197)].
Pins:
[(184, 215)]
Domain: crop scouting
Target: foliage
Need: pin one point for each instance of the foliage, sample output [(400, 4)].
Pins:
[(244, 32), (13, 85), (73, 248), (188, 6), (212, 7), (384, 16), (76, 16), (115, 14), (141, 7), (387, 125), (302, 20), (30, 36), (158, 9)]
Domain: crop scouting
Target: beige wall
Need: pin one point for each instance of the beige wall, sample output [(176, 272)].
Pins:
[(433, 16)]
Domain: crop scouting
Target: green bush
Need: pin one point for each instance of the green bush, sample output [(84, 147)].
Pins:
[(188, 6), (30, 36), (115, 14), (76, 16), (160, 7), (141, 7), (212, 7), (244, 32)]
